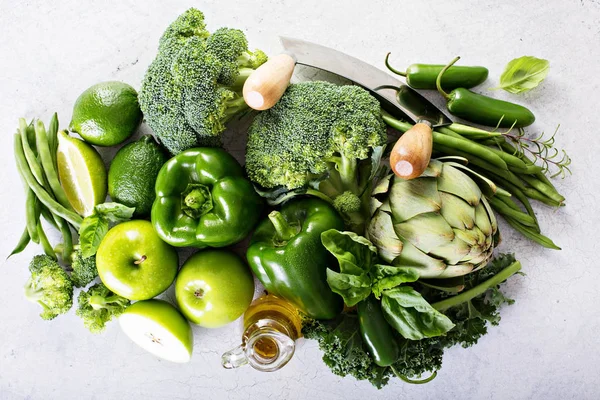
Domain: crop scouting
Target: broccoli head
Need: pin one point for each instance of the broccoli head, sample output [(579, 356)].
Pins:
[(98, 306), (49, 286), (194, 85), (84, 269), (320, 139)]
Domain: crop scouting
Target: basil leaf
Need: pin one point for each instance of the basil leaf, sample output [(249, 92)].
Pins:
[(388, 277), (356, 257), (352, 288), (92, 231), (523, 74), (114, 212), (411, 315)]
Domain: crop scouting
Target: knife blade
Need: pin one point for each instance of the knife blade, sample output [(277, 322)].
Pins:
[(401, 98)]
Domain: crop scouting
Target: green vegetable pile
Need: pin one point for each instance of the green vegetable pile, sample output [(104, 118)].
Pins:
[(386, 272)]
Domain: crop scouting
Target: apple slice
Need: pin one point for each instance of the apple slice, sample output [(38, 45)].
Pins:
[(157, 327)]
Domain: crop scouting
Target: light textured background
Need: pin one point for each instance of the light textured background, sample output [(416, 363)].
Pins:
[(547, 346)]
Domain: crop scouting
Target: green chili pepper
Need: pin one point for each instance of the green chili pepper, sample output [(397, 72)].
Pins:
[(423, 76), (377, 334), (482, 109)]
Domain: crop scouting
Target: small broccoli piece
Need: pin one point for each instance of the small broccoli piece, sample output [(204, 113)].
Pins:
[(84, 269), (319, 135), (98, 306), (49, 286), (193, 88)]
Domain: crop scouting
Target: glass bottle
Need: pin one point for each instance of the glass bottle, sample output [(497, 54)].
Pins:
[(271, 326)]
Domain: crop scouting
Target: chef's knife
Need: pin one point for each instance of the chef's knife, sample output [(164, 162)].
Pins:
[(411, 153)]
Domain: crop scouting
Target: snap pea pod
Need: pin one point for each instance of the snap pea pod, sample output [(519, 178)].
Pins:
[(423, 76), (542, 187), (22, 244), (482, 109), (40, 192), (49, 168)]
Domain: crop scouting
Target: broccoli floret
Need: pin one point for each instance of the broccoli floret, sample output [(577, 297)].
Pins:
[(84, 269), (49, 286), (193, 88), (98, 306), (319, 135)]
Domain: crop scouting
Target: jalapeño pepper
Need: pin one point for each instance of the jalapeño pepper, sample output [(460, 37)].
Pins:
[(423, 76), (482, 109), (377, 334)]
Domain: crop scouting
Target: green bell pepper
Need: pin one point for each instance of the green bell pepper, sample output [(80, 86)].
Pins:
[(203, 199), (287, 256)]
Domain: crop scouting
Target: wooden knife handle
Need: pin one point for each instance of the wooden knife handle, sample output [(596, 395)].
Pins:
[(412, 152), (265, 86)]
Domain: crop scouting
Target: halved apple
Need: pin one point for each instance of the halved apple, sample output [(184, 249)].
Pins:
[(157, 327)]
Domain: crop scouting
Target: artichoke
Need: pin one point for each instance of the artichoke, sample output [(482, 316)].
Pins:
[(439, 223)]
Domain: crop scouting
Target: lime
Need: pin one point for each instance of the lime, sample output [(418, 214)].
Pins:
[(107, 113), (81, 172), (133, 172)]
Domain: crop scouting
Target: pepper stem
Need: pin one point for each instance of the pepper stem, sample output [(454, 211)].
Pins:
[(394, 70), (438, 81), (284, 230), (196, 200)]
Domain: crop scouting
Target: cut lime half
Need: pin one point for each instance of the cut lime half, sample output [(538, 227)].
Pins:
[(82, 173)]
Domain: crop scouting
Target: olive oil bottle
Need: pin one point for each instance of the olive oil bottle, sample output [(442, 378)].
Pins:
[(271, 326)]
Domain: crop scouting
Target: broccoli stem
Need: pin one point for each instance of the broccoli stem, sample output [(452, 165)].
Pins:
[(33, 295), (284, 230), (348, 174), (98, 302), (479, 289)]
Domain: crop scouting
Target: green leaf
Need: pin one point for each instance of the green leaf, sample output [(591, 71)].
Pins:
[(92, 231), (411, 315), (388, 277), (523, 74), (114, 212), (356, 257), (352, 288)]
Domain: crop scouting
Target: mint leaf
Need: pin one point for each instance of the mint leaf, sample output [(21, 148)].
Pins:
[(92, 231), (114, 212)]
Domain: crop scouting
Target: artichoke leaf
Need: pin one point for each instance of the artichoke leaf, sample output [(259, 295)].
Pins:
[(457, 212), (426, 231), (482, 219), (381, 232), (459, 184), (411, 315), (427, 266), (409, 198)]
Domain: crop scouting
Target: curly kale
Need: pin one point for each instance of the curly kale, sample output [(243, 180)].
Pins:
[(194, 85), (345, 354)]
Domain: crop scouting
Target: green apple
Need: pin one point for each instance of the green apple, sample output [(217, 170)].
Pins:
[(214, 288), (157, 327), (134, 262)]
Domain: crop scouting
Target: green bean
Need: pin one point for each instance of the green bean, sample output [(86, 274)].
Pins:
[(44, 242), (30, 156), (542, 187), (48, 165), (48, 216), (521, 197), (508, 211), (65, 230), (42, 195), (53, 137), (23, 242), (536, 237), (470, 147), (32, 215), (509, 202), (472, 132)]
